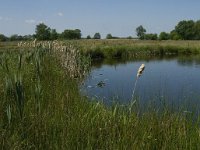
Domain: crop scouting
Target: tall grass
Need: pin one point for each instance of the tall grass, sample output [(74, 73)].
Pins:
[(136, 48), (55, 116)]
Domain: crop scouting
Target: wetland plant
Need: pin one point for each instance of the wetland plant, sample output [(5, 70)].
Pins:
[(139, 73)]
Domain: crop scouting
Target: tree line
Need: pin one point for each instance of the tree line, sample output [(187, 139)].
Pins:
[(184, 30), (43, 32)]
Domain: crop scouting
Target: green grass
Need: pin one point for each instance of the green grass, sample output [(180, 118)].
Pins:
[(135, 48), (58, 117), (8, 46)]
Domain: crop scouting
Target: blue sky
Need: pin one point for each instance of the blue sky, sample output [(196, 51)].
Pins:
[(118, 17)]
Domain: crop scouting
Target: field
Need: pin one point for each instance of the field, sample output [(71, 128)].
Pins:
[(41, 107)]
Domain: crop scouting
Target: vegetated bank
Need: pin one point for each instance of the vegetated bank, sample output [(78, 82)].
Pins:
[(41, 108), (125, 48)]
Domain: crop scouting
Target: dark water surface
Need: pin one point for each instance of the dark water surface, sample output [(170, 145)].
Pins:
[(175, 80)]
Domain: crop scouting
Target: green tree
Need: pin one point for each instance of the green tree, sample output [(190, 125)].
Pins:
[(109, 36), (129, 37), (197, 30), (186, 29), (78, 33), (71, 34), (164, 36), (97, 36), (43, 32), (174, 35), (140, 31), (16, 37), (54, 34), (150, 36), (88, 37), (28, 37), (3, 38)]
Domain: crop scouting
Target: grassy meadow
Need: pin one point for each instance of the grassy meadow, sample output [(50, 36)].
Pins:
[(41, 107)]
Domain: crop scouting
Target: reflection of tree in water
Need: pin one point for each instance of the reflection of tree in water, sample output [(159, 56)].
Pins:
[(116, 61), (188, 60)]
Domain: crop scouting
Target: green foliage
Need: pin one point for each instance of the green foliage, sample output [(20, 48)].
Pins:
[(95, 53), (124, 48), (175, 36), (97, 36), (16, 37), (54, 34), (197, 30), (88, 37), (71, 34), (3, 38), (164, 36), (186, 29), (109, 36), (150, 36), (140, 31), (129, 37), (56, 116), (28, 37), (42, 32)]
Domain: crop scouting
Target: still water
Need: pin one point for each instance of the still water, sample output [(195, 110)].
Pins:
[(175, 80)]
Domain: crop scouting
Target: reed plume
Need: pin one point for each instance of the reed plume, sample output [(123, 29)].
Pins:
[(139, 73), (140, 70)]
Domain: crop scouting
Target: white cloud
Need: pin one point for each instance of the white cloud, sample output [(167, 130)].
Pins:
[(30, 21), (60, 14)]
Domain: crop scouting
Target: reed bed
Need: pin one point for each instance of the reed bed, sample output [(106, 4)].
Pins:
[(72, 60), (41, 108), (123, 48)]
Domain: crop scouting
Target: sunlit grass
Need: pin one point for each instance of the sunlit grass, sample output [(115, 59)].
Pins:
[(55, 116), (123, 48)]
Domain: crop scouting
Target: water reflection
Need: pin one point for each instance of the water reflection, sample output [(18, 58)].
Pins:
[(172, 79), (189, 61)]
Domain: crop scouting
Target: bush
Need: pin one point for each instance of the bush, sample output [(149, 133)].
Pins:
[(150, 36), (164, 36)]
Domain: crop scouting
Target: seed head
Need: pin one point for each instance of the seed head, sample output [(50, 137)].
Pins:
[(140, 70)]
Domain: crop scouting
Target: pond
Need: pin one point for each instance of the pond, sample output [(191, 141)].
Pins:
[(175, 80)]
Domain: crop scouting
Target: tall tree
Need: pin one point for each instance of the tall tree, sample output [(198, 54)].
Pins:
[(42, 32), (186, 29), (140, 31)]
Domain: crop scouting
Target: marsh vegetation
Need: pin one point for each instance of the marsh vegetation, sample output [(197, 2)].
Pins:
[(41, 107)]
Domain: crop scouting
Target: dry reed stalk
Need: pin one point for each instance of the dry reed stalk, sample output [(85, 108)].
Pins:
[(71, 58), (139, 73)]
